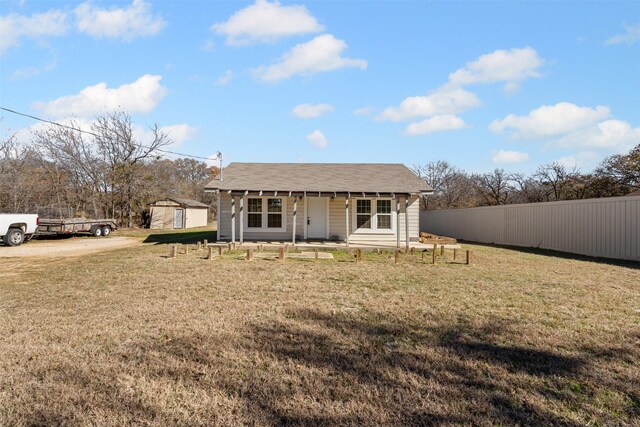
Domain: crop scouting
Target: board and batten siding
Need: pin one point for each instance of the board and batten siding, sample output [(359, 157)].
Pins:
[(337, 227), (607, 227), (224, 227)]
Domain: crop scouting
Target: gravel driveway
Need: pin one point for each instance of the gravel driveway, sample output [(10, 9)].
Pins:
[(69, 247)]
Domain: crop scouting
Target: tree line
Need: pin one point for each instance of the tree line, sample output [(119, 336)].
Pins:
[(107, 172), (104, 172), (616, 175)]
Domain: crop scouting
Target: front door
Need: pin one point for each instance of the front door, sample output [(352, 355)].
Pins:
[(317, 217), (178, 218)]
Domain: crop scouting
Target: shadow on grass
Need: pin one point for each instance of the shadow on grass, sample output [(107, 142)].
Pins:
[(315, 368), (181, 237), (558, 254)]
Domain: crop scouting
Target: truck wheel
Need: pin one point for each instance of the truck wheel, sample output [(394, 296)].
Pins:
[(97, 232), (14, 237), (106, 230)]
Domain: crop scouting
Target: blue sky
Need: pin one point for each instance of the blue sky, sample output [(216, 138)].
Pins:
[(480, 84)]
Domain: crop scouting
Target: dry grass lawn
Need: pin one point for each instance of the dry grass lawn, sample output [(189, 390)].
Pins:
[(132, 337)]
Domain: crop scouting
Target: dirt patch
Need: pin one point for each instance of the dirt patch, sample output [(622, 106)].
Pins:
[(67, 248)]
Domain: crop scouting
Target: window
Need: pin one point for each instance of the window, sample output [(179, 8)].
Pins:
[(374, 216), (383, 214), (254, 213), (274, 215), (363, 213), (265, 214)]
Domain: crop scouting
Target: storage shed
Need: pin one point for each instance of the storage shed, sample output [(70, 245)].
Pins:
[(172, 213)]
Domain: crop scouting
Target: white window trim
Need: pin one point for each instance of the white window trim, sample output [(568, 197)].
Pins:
[(374, 217), (264, 228)]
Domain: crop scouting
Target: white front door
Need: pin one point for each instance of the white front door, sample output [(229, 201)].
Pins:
[(317, 217)]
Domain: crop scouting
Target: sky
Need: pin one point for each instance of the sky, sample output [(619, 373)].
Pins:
[(483, 85)]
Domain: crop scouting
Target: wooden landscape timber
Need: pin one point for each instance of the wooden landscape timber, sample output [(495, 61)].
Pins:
[(282, 251), (428, 238)]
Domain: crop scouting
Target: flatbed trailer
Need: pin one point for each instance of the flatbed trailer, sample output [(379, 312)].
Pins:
[(96, 227)]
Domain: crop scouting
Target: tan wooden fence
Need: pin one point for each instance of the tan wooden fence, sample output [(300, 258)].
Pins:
[(607, 227)]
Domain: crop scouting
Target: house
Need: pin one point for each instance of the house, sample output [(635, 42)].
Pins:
[(174, 213), (343, 202)]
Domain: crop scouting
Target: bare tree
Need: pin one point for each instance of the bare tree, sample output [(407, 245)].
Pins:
[(124, 156), (452, 187), (555, 178), (493, 187)]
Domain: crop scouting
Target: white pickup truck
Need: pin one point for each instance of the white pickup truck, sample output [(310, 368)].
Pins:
[(14, 228)]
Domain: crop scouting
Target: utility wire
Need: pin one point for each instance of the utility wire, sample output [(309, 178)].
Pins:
[(98, 136)]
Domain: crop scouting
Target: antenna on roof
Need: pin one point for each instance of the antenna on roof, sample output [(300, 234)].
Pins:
[(219, 157)]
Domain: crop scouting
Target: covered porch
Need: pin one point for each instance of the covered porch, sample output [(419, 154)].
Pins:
[(319, 219)]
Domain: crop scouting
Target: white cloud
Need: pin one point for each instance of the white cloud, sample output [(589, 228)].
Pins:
[(128, 23), (265, 22), (442, 101), (318, 139), (437, 123), (506, 156), (616, 135), (140, 96), (14, 27), (29, 72), (363, 111), (551, 120), (225, 78), (509, 66), (179, 133), (310, 111), (582, 159), (631, 36), (323, 53)]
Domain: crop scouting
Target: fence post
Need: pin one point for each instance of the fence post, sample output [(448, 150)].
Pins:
[(397, 256), (316, 252), (210, 255), (455, 254), (249, 254), (173, 252), (468, 257), (433, 255), (219, 250), (206, 243), (199, 245), (281, 254)]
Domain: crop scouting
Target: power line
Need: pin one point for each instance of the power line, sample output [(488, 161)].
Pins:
[(98, 136)]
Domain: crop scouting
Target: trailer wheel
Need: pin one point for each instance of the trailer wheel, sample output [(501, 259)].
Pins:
[(97, 232), (106, 230), (14, 237)]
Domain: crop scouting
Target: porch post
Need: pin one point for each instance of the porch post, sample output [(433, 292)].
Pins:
[(304, 222), (346, 209), (233, 218), (241, 219), (406, 222), (295, 215), (398, 222), (218, 218)]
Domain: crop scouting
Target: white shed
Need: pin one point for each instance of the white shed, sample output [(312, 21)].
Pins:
[(174, 213)]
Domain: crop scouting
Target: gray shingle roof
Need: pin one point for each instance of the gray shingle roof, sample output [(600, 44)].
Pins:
[(325, 177), (185, 203)]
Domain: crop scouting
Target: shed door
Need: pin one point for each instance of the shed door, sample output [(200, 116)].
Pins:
[(317, 217), (178, 218)]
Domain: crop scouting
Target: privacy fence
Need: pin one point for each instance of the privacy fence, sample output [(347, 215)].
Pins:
[(607, 227)]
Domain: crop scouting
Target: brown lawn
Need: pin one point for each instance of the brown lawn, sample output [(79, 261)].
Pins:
[(132, 337)]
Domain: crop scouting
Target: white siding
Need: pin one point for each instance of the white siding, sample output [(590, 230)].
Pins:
[(607, 227), (224, 227), (337, 226)]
